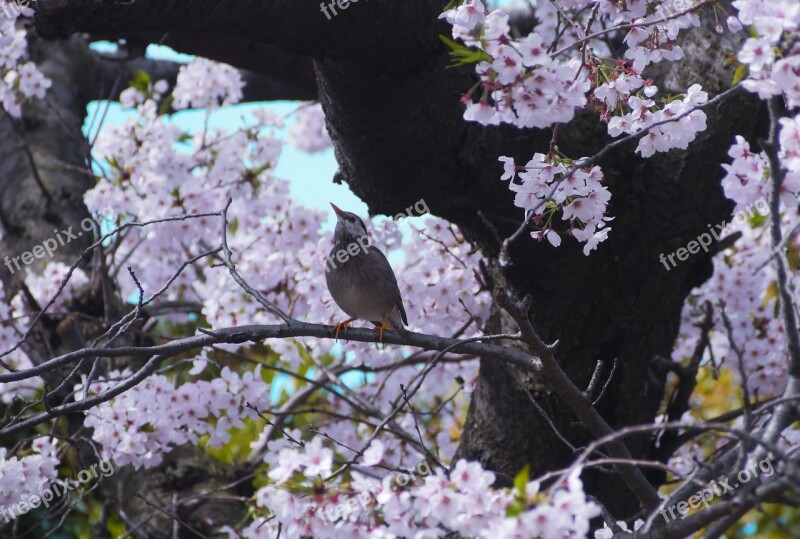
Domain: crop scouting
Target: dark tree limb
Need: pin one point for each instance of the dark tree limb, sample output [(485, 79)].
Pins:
[(279, 76)]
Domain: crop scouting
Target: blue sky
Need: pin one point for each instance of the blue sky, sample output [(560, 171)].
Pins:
[(310, 175)]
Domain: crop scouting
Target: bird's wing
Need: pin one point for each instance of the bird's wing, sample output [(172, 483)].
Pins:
[(385, 270)]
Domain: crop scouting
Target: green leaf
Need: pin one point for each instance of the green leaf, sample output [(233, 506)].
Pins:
[(165, 105), (739, 74), (522, 479), (262, 168), (141, 81), (113, 163), (454, 46), (463, 55)]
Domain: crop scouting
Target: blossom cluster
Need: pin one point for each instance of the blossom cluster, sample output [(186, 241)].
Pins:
[(743, 280), (673, 126), (9, 336), (772, 70), (549, 185), (47, 284), (309, 133), (526, 83), (462, 502), (520, 83), (26, 477), (152, 170), (159, 415), (19, 79), (206, 84), (280, 248), (745, 179)]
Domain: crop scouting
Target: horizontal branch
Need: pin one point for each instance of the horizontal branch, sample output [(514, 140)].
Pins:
[(279, 75), (295, 26), (258, 333), (255, 333)]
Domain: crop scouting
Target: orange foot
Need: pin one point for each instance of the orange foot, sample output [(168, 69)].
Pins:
[(384, 326), (343, 325)]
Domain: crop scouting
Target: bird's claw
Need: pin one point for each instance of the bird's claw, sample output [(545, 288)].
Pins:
[(342, 325)]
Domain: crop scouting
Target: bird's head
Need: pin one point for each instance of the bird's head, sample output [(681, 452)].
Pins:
[(349, 226)]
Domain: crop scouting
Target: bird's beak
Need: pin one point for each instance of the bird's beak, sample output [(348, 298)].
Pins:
[(336, 209)]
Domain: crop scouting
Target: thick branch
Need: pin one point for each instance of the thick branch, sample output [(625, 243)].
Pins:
[(279, 76), (578, 401), (296, 26)]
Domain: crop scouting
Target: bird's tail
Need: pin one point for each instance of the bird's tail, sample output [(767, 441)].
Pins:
[(398, 321)]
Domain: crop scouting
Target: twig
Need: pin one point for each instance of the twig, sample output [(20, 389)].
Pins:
[(173, 517), (228, 261), (608, 382)]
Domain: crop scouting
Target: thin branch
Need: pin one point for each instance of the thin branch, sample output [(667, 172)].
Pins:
[(228, 261), (628, 26), (173, 517), (785, 414), (608, 382)]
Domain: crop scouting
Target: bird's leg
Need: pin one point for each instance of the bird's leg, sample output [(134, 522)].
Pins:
[(343, 325), (383, 327)]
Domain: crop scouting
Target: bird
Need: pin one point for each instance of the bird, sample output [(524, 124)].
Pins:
[(360, 279)]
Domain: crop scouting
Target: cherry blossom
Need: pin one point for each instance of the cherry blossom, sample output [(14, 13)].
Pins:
[(742, 279), (203, 83), (309, 133), (19, 80), (469, 15), (24, 478), (549, 185)]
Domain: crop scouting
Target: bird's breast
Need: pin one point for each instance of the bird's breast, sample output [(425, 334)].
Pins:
[(356, 288)]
